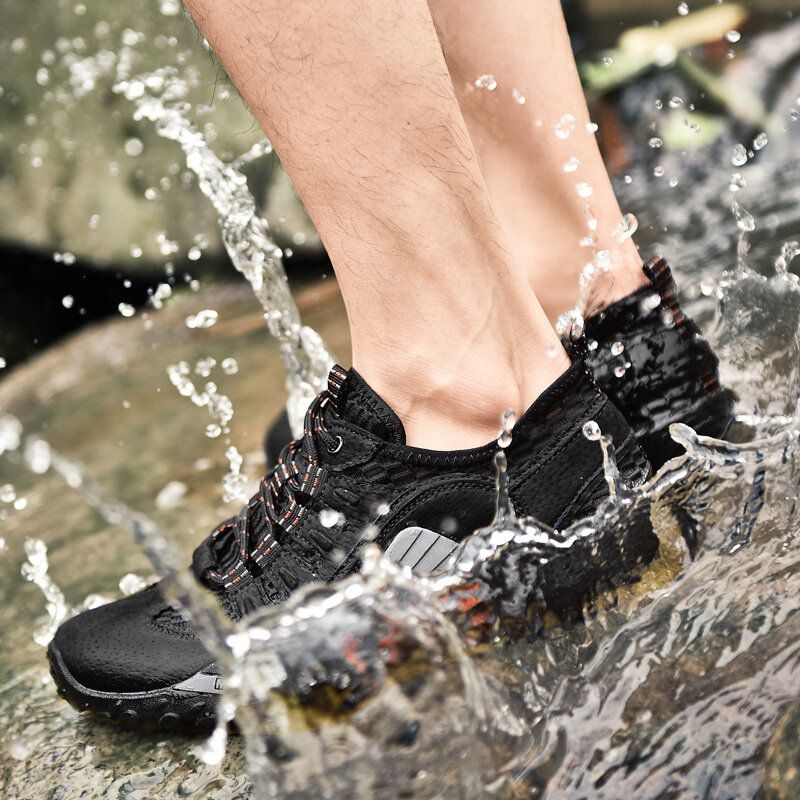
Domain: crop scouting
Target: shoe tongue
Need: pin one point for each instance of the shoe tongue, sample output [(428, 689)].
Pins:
[(358, 404)]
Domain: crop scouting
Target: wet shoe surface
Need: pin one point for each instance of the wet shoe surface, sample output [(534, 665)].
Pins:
[(349, 479), (655, 365)]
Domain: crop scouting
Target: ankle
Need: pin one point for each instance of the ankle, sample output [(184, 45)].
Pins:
[(563, 294), (455, 405)]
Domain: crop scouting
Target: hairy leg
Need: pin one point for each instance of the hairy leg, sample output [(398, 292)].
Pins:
[(533, 174), (356, 97)]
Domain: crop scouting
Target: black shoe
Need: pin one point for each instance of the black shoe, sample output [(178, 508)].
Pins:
[(137, 660), (656, 367), (665, 373)]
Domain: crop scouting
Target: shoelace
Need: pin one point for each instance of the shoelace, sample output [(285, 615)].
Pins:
[(283, 494)]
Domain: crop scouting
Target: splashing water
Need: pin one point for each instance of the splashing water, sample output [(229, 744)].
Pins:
[(235, 484), (382, 681), (35, 570), (159, 96)]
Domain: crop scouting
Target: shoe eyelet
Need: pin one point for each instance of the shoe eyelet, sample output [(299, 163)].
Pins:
[(337, 447)]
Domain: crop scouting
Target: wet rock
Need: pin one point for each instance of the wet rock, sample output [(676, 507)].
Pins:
[(782, 761), (103, 397)]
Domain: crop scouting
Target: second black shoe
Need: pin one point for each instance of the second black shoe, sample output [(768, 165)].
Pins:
[(137, 661), (655, 365)]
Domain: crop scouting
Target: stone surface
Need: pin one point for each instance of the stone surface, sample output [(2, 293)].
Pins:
[(103, 398), (782, 759)]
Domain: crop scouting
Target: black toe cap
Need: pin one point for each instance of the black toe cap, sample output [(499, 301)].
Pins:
[(135, 644)]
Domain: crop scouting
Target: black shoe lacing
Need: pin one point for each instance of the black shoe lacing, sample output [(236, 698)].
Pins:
[(282, 497)]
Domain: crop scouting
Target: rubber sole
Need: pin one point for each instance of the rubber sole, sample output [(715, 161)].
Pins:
[(188, 706)]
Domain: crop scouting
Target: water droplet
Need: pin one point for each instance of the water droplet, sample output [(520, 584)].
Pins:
[(733, 36), (126, 309), (683, 9), (654, 143), (658, 171), (213, 431), (507, 421), (584, 189), (204, 366), (202, 319), (760, 142), (591, 430), (136, 251), (230, 366), (619, 371), (592, 344), (739, 157), (37, 456), (617, 348), (486, 81), (518, 96), (627, 227), (169, 8), (607, 61), (131, 584), (649, 303), (134, 147), (592, 127), (565, 126), (67, 300), (675, 102), (665, 54), (572, 164), (328, 517), (745, 221), (737, 182)]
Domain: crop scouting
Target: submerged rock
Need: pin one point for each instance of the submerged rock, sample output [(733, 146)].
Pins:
[(782, 759)]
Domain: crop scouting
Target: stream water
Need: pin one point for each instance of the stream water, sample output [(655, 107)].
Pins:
[(461, 685)]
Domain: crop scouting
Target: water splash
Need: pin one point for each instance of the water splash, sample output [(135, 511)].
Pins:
[(235, 484), (35, 570), (160, 97)]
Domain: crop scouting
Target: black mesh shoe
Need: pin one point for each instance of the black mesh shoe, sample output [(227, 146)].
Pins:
[(137, 660), (656, 367), (665, 372)]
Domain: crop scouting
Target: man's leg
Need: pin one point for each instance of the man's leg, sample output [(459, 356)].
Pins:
[(356, 97), (535, 154)]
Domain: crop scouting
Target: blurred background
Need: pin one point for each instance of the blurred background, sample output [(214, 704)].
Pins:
[(96, 210)]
